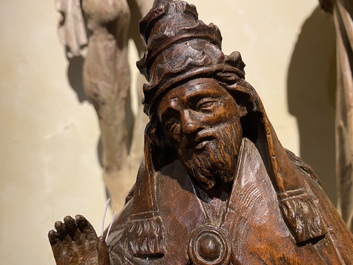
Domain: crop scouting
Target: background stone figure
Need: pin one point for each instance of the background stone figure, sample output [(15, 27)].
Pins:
[(99, 32), (342, 11)]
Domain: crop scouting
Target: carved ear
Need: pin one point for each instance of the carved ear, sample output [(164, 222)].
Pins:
[(162, 152), (151, 133), (242, 111)]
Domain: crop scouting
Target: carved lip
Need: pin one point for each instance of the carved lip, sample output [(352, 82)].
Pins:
[(201, 145)]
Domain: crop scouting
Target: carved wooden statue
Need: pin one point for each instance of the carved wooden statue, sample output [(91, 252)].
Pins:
[(216, 186)]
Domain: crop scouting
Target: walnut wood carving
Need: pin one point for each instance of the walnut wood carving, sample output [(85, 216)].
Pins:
[(216, 186)]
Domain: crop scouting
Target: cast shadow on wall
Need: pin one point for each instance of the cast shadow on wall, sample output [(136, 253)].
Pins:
[(74, 75), (311, 85)]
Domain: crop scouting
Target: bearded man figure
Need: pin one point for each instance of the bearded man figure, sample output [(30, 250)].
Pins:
[(216, 186)]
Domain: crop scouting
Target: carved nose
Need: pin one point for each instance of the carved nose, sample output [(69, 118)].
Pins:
[(190, 123), (190, 127)]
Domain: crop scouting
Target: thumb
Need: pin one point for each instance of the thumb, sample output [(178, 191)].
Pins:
[(103, 254)]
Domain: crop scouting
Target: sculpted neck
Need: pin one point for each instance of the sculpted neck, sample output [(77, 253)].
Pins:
[(220, 191)]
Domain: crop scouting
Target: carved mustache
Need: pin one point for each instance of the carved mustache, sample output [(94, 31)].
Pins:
[(202, 137)]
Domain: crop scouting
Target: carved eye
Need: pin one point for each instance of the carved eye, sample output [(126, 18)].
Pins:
[(206, 104)]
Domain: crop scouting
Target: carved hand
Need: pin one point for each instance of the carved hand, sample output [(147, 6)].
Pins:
[(72, 29), (75, 242)]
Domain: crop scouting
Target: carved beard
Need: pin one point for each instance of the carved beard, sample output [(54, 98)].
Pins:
[(216, 162)]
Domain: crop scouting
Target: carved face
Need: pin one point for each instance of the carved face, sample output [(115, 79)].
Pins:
[(201, 120)]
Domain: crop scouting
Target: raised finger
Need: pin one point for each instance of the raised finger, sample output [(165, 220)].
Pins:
[(71, 226), (53, 237), (60, 230)]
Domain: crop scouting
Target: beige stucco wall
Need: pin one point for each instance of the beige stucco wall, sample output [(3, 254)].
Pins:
[(48, 156)]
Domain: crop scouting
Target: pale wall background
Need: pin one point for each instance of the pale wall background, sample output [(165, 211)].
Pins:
[(49, 133)]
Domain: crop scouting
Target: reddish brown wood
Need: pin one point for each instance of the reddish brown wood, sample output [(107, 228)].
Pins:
[(216, 186)]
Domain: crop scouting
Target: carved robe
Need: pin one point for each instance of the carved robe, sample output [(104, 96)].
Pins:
[(252, 229)]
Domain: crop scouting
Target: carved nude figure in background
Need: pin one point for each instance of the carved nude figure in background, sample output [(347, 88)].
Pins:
[(216, 186), (99, 30), (342, 11)]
